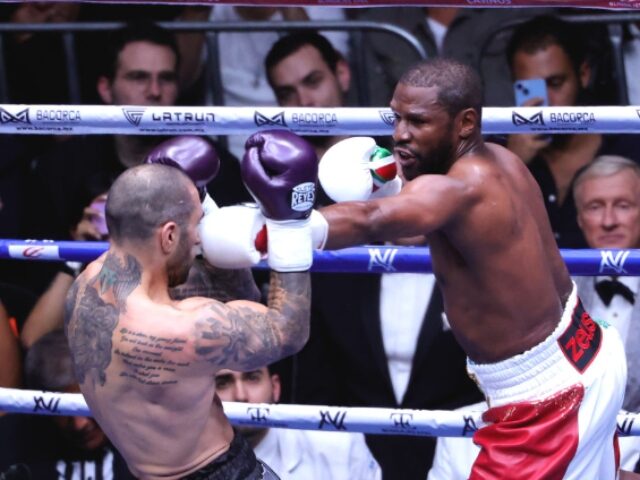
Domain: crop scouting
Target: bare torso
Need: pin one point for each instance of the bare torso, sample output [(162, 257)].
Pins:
[(497, 264), (155, 399), (494, 255)]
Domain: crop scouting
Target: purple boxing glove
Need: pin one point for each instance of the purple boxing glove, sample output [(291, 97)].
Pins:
[(195, 156), (280, 169)]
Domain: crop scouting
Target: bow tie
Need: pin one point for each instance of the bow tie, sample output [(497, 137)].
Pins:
[(608, 288)]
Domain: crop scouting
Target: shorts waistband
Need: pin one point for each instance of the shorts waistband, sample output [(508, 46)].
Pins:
[(534, 374), (237, 463)]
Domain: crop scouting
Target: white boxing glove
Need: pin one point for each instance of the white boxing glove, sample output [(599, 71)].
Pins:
[(208, 204), (236, 236), (228, 236), (357, 169)]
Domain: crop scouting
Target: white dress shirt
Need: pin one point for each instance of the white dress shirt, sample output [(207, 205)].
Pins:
[(311, 455), (404, 298), (619, 311)]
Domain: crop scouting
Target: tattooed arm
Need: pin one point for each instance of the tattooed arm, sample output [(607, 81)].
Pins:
[(224, 285), (243, 335)]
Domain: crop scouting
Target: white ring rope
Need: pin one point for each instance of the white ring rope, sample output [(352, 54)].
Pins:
[(109, 119), (441, 423)]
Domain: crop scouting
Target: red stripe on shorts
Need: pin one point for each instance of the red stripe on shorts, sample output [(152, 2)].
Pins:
[(529, 440)]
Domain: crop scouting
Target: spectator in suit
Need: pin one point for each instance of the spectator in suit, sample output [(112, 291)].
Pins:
[(296, 454), (607, 196), (470, 35), (382, 340)]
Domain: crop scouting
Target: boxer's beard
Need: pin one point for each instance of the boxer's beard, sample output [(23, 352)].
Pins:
[(179, 266), (439, 160)]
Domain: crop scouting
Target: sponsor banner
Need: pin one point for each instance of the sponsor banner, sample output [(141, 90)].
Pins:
[(606, 4), (365, 259), (34, 252), (442, 423), (560, 120), (109, 119)]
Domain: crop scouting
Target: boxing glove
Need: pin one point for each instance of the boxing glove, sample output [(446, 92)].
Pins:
[(229, 235), (196, 157), (236, 237), (357, 169), (280, 170)]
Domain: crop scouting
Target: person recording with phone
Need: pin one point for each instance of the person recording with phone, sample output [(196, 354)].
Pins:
[(551, 65)]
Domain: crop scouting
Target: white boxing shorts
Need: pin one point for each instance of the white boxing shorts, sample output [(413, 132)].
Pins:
[(553, 408)]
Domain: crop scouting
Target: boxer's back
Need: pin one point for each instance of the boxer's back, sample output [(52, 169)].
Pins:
[(501, 274), (144, 384)]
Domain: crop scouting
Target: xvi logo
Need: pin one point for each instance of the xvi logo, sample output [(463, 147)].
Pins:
[(20, 117), (624, 428), (387, 117), (337, 419), (519, 120), (261, 119), (382, 259), (258, 414), (613, 261), (402, 420), (50, 406), (133, 115), (469, 425)]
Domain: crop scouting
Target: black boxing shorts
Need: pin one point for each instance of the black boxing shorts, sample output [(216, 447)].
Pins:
[(237, 463)]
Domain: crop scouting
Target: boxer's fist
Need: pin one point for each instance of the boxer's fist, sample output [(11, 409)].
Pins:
[(280, 170), (195, 156), (357, 169), (230, 236)]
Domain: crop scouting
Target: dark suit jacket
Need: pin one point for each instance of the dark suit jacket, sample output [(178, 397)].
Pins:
[(344, 363)]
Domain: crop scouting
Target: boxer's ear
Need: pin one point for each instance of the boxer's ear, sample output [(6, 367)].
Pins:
[(467, 122)]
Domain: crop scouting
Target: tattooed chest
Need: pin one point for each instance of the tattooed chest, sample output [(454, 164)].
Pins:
[(149, 359)]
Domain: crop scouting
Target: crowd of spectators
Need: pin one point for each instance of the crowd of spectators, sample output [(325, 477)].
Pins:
[(376, 340)]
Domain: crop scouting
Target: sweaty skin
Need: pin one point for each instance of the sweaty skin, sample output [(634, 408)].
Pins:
[(494, 255), (146, 363)]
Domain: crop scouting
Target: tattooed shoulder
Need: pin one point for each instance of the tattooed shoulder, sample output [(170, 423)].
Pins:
[(236, 337)]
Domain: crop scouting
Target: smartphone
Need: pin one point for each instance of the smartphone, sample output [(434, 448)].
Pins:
[(524, 90)]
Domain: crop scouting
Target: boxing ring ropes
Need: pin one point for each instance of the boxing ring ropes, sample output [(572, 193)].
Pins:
[(70, 119)]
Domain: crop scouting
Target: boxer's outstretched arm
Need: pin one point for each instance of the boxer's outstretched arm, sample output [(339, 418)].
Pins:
[(245, 335), (423, 206)]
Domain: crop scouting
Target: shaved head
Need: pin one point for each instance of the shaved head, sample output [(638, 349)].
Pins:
[(459, 86), (145, 197)]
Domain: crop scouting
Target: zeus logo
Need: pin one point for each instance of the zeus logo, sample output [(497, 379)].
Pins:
[(624, 428), (469, 425), (382, 259), (535, 119), (258, 414), (20, 117), (133, 115), (337, 419), (401, 419), (387, 117), (277, 119), (613, 261), (50, 406)]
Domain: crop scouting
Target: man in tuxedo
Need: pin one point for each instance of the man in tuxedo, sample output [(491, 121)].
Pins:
[(382, 340), (607, 197)]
